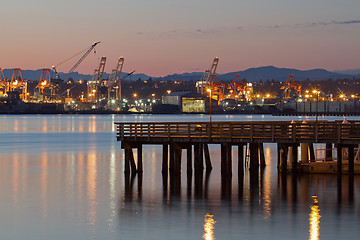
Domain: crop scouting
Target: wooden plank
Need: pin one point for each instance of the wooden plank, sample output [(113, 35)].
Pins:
[(278, 131)]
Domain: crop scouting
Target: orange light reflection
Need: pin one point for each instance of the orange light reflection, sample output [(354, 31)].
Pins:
[(209, 227), (314, 220)]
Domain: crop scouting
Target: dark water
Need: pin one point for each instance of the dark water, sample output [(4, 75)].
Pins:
[(61, 177)]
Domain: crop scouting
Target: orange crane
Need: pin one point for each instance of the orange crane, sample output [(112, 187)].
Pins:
[(290, 85), (237, 88), (45, 82), (3, 83), (217, 89), (207, 77), (18, 83)]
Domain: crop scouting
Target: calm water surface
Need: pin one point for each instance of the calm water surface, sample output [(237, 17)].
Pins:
[(61, 177)]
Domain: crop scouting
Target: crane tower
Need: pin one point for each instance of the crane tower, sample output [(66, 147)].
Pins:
[(94, 85), (45, 83), (115, 81), (290, 85), (207, 77), (18, 84)]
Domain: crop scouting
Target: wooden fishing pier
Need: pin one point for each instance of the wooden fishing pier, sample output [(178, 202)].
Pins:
[(195, 137)]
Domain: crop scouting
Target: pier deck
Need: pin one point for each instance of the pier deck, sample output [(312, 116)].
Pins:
[(240, 132)]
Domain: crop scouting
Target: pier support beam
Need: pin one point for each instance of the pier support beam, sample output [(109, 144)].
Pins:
[(226, 170), (127, 161), (283, 157), (339, 171), (294, 159), (172, 159), (351, 172), (132, 161), (328, 152), (304, 148), (207, 157), (189, 160), (198, 159), (254, 156), (241, 159), (165, 162), (262, 155), (226, 161), (139, 159), (312, 152)]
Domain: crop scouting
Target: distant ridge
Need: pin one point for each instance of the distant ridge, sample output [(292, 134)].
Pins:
[(251, 75)]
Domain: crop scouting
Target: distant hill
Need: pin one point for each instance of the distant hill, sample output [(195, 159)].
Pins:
[(281, 74), (266, 73), (251, 75), (350, 72)]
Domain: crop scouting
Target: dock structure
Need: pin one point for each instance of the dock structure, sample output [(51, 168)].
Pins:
[(248, 137)]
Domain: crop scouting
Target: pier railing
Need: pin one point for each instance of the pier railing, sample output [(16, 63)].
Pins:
[(274, 131)]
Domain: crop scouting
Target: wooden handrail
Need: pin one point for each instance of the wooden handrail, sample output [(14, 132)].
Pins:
[(252, 131)]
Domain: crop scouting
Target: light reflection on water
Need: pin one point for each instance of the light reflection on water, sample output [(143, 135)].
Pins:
[(66, 180), (209, 227), (314, 220)]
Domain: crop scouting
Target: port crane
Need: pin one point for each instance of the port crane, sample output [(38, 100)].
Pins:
[(87, 51), (18, 83), (3, 82), (207, 77), (45, 83), (114, 80), (237, 88), (290, 85), (217, 88), (94, 85)]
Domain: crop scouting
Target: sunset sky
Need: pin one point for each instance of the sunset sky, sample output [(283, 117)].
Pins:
[(161, 37)]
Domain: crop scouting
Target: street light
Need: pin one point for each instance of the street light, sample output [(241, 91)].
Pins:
[(209, 90), (317, 92)]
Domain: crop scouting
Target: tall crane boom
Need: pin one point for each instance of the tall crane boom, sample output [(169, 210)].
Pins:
[(77, 63), (83, 57)]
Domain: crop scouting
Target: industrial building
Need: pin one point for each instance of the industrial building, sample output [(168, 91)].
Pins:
[(188, 102)]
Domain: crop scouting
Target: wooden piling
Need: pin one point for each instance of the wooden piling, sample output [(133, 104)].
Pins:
[(283, 154), (351, 172), (254, 156), (198, 159), (172, 158), (139, 159), (226, 161), (165, 162), (132, 161), (339, 171), (328, 152), (294, 159), (189, 159), (241, 159), (127, 161), (312, 152), (262, 155), (178, 153), (207, 157)]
